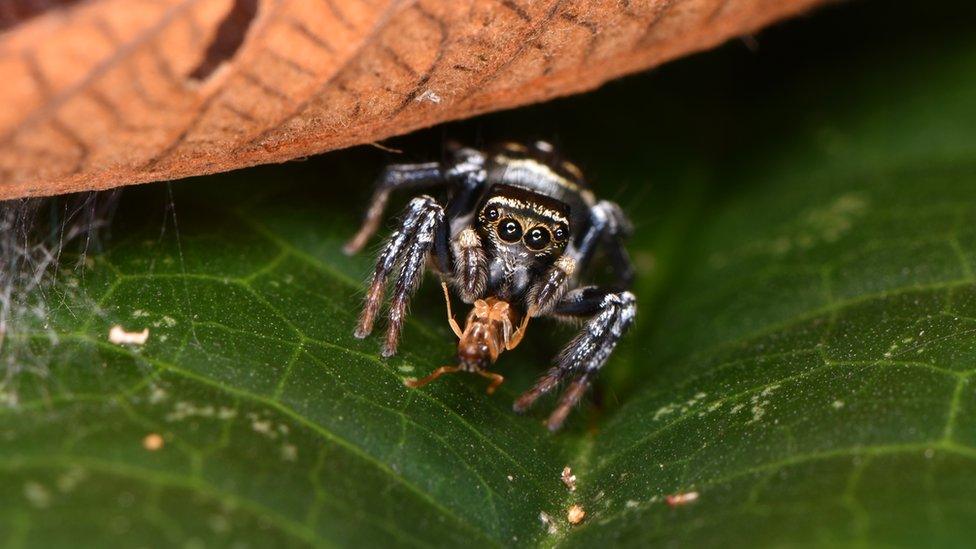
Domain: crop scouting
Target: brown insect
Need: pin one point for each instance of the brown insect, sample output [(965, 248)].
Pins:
[(492, 327)]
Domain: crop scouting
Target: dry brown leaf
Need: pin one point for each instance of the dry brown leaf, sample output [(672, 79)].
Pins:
[(101, 93)]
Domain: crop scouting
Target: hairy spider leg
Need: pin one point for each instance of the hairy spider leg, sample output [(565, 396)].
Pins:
[(425, 228), (407, 249), (610, 315), (618, 230), (568, 399), (608, 228), (465, 176), (468, 180), (395, 177)]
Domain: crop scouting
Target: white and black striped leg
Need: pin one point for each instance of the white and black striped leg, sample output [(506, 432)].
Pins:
[(407, 249), (611, 314), (395, 177)]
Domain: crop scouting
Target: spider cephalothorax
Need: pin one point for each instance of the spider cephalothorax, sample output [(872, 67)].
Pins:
[(517, 232)]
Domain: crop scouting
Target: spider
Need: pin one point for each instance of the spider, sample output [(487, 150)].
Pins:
[(515, 236)]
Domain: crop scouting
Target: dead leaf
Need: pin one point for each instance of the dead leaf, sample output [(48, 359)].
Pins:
[(103, 93)]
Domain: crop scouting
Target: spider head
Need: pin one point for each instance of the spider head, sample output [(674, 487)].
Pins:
[(522, 226)]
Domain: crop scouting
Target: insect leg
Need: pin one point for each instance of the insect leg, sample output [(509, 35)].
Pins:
[(395, 177), (450, 314), (611, 314), (496, 380), (415, 383)]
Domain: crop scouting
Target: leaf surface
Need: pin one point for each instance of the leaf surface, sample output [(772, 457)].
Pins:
[(803, 362)]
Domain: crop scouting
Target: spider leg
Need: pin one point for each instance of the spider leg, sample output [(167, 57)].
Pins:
[(569, 398), (608, 228), (620, 261), (619, 228), (610, 315), (468, 178), (395, 177), (407, 248)]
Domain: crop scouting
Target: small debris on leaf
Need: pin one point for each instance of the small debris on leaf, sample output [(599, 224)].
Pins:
[(289, 452), (569, 479), (510, 478), (37, 495), (575, 514), (153, 442), (119, 336), (677, 500), (548, 522)]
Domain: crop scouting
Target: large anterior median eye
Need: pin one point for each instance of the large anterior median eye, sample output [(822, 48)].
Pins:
[(509, 230), (537, 238)]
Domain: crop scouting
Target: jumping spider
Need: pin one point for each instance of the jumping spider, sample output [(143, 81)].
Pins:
[(518, 230)]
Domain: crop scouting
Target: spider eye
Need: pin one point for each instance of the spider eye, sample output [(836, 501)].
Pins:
[(509, 230), (491, 213), (537, 238), (561, 232)]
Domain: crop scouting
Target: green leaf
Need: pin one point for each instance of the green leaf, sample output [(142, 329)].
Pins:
[(806, 241)]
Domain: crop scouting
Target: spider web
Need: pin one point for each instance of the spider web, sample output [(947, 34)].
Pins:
[(35, 235)]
